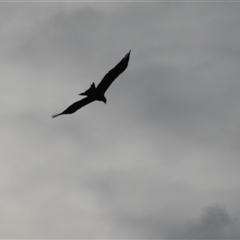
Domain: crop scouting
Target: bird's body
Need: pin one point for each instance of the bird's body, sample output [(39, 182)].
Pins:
[(97, 93)]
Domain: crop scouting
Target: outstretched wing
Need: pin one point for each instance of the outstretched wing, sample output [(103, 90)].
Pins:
[(113, 74), (75, 106)]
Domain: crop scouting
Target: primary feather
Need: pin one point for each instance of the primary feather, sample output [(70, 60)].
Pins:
[(75, 106)]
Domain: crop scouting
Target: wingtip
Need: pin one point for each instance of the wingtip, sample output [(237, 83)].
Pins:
[(55, 115), (128, 54)]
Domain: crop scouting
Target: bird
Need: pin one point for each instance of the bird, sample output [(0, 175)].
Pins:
[(97, 93)]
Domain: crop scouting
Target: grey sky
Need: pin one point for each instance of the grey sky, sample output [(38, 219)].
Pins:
[(160, 160)]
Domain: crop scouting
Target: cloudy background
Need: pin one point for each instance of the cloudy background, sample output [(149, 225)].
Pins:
[(160, 160)]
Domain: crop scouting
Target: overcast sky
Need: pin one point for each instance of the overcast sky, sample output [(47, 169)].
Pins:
[(160, 160)]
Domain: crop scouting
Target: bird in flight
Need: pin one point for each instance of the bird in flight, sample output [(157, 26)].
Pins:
[(97, 93)]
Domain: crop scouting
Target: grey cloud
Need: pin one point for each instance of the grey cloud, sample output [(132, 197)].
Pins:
[(216, 223), (165, 146)]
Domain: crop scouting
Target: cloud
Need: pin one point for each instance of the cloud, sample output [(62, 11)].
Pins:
[(166, 144), (215, 223)]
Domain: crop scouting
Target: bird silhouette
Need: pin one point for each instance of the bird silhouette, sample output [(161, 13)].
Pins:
[(97, 93)]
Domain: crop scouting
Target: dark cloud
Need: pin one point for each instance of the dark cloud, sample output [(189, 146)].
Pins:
[(216, 223)]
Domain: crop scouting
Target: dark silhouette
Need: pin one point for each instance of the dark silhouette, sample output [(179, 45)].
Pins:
[(97, 93)]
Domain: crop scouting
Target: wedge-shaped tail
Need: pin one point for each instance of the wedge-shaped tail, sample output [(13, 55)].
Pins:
[(90, 91)]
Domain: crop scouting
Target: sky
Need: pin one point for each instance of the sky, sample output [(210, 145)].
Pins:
[(160, 160)]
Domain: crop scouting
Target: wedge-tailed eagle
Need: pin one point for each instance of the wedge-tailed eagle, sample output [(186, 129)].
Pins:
[(97, 93)]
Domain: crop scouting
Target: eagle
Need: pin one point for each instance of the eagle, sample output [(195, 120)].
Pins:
[(97, 93)]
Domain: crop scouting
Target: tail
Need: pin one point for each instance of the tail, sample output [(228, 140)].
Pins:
[(89, 91)]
